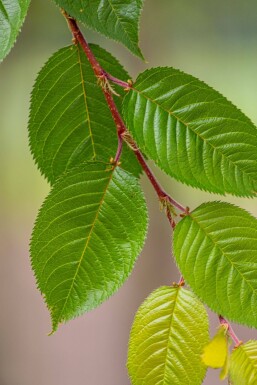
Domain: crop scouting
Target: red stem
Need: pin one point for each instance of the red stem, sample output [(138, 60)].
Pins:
[(80, 38), (231, 332), (117, 81), (159, 190), (122, 131), (119, 149), (121, 128)]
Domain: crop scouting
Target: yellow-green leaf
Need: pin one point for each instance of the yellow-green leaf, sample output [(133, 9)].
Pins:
[(243, 364), (215, 353), (167, 339)]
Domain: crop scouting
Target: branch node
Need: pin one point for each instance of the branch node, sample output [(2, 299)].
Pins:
[(238, 344), (114, 162), (74, 40), (126, 136), (181, 282), (130, 85), (186, 213)]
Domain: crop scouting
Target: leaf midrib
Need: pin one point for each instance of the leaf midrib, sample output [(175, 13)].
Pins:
[(165, 381), (191, 129), (119, 20), (59, 318), (86, 105)]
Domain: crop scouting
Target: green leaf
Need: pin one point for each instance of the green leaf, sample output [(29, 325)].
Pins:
[(216, 250), (116, 19), (192, 132), (12, 15), (167, 339), (243, 364), (70, 121), (87, 237)]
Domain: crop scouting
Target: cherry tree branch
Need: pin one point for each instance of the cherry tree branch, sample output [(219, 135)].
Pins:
[(124, 135), (122, 132)]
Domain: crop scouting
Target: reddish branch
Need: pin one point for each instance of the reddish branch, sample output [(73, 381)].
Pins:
[(124, 135), (231, 332), (122, 132)]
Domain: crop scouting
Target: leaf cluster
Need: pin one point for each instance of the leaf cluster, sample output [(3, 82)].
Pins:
[(92, 226)]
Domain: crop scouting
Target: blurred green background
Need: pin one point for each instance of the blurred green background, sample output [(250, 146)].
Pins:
[(215, 41)]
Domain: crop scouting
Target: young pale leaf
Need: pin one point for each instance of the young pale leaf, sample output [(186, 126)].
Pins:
[(167, 339), (215, 353), (87, 237), (116, 19), (69, 119), (192, 132), (12, 15), (243, 364), (215, 247)]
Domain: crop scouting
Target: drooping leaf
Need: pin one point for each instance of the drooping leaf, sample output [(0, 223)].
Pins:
[(216, 250), (116, 19), (216, 351), (87, 237), (192, 132), (12, 15), (243, 364), (69, 120), (167, 339)]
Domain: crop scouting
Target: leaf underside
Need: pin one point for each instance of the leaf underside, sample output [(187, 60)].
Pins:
[(70, 121), (116, 19), (167, 339), (87, 237), (216, 251), (243, 364), (12, 15), (192, 132)]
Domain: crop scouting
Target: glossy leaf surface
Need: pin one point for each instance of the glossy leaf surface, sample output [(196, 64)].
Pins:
[(116, 19), (216, 250), (87, 237), (167, 339), (192, 132), (12, 15), (70, 121)]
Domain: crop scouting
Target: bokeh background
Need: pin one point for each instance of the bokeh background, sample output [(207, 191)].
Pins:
[(215, 41)]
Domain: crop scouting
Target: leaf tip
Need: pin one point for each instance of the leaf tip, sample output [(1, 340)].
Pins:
[(55, 325), (137, 51)]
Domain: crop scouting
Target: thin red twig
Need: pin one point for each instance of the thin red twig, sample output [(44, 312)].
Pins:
[(120, 83), (181, 281), (123, 135), (119, 149), (122, 131), (231, 332)]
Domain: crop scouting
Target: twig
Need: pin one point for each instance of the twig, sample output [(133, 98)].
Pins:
[(122, 131), (124, 135), (121, 83), (231, 332)]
